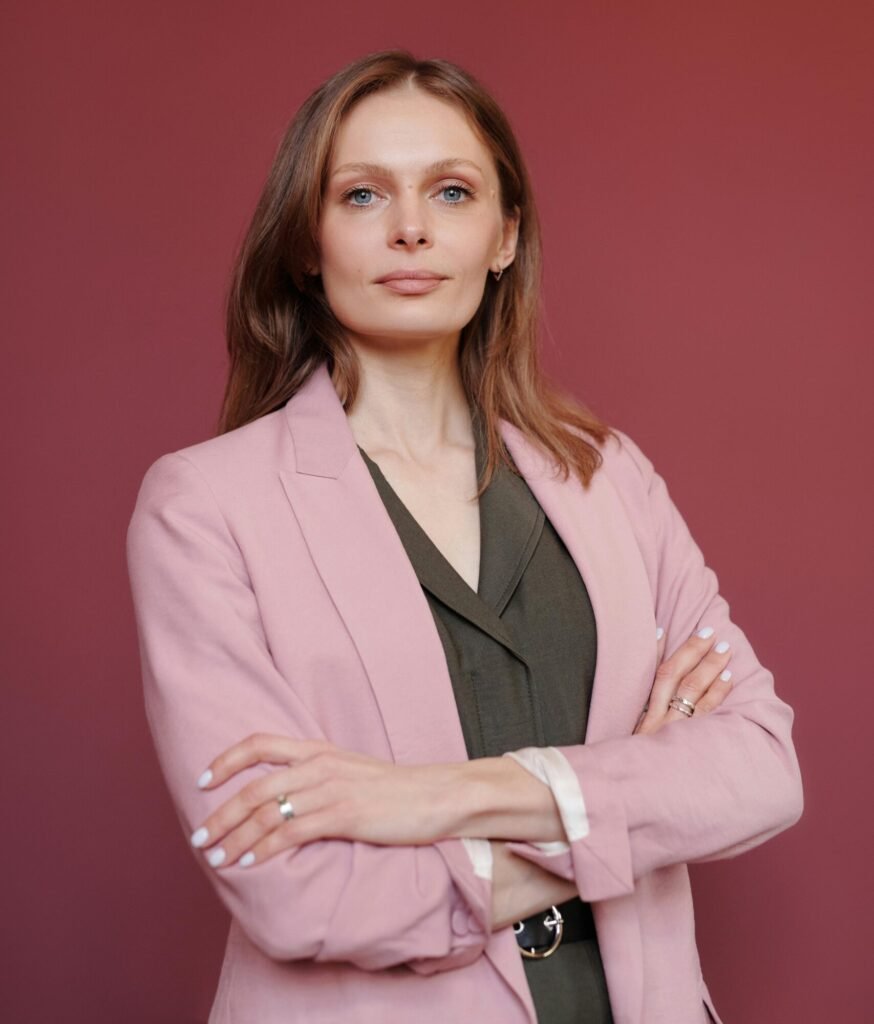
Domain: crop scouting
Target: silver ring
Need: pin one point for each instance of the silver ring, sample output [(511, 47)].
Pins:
[(686, 707), (285, 807)]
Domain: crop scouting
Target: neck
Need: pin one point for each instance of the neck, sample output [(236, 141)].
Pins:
[(411, 404)]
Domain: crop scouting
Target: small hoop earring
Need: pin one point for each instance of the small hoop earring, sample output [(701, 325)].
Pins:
[(497, 275)]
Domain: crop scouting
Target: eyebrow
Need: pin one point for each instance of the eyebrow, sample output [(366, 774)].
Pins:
[(377, 170)]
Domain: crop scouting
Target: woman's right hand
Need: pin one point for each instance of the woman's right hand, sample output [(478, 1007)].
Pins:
[(696, 671)]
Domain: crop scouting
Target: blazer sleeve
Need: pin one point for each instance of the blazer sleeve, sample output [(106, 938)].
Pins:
[(209, 680), (700, 789)]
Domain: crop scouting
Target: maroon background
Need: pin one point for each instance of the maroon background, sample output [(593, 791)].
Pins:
[(704, 174)]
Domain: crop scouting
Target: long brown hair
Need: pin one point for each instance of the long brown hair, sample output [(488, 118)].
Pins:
[(280, 326)]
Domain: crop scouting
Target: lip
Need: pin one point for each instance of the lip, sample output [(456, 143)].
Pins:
[(411, 282), (413, 275), (412, 285)]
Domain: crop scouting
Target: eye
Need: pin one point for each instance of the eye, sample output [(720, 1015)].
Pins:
[(463, 193), (356, 193)]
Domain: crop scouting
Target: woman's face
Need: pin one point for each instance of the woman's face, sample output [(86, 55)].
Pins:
[(403, 212)]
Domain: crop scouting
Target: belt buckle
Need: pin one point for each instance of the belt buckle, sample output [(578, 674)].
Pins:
[(552, 921)]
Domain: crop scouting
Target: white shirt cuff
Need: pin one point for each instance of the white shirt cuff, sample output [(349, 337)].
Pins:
[(480, 853), (551, 766)]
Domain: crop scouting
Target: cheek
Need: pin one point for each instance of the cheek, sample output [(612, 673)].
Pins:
[(473, 264), (344, 291), (340, 253), (475, 247), (345, 270)]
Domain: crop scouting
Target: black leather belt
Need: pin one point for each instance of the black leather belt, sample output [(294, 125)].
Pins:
[(540, 935)]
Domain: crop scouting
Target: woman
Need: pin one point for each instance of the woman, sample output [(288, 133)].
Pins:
[(406, 681)]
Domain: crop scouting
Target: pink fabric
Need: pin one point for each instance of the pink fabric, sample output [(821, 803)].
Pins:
[(273, 594)]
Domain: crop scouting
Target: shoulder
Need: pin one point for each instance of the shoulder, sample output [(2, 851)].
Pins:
[(263, 444), (236, 462), (622, 458), (627, 479), (260, 443)]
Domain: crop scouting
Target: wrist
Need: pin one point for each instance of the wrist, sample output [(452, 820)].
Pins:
[(496, 798), (520, 888)]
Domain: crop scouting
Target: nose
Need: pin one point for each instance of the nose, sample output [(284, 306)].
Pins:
[(410, 227)]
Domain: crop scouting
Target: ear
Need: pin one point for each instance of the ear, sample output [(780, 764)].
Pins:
[(509, 237)]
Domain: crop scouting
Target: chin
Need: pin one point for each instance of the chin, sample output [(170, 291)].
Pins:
[(395, 333), (410, 323)]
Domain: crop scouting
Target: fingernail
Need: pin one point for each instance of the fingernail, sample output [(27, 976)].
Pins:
[(216, 856), (706, 632), (722, 647), (205, 779), (199, 837), (725, 676), (247, 859), (659, 633)]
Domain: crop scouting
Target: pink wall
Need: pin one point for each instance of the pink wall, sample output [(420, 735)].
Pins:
[(704, 176)]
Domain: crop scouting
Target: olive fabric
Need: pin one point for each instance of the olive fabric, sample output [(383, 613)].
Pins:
[(521, 655)]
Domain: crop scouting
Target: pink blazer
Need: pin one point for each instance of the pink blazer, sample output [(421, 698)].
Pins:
[(272, 593)]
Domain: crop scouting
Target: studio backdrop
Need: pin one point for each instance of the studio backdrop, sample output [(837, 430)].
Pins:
[(703, 174)]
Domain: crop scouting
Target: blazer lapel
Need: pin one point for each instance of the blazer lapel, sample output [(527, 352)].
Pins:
[(365, 568), (594, 526)]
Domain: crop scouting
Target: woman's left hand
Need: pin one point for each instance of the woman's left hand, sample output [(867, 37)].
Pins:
[(334, 793)]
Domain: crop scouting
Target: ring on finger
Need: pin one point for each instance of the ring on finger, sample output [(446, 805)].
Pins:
[(678, 703), (285, 807)]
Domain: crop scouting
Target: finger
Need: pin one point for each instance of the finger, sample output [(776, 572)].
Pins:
[(694, 684), (262, 823), (697, 683), (292, 780), (306, 829), (688, 672), (688, 660), (715, 695), (668, 676), (661, 640), (243, 805), (259, 748)]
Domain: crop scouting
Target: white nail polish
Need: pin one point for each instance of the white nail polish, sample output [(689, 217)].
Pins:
[(659, 633), (725, 676), (722, 647), (247, 859), (199, 837), (204, 779), (705, 633), (216, 856)]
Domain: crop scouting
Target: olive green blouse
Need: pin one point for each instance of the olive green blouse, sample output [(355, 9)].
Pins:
[(521, 655)]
